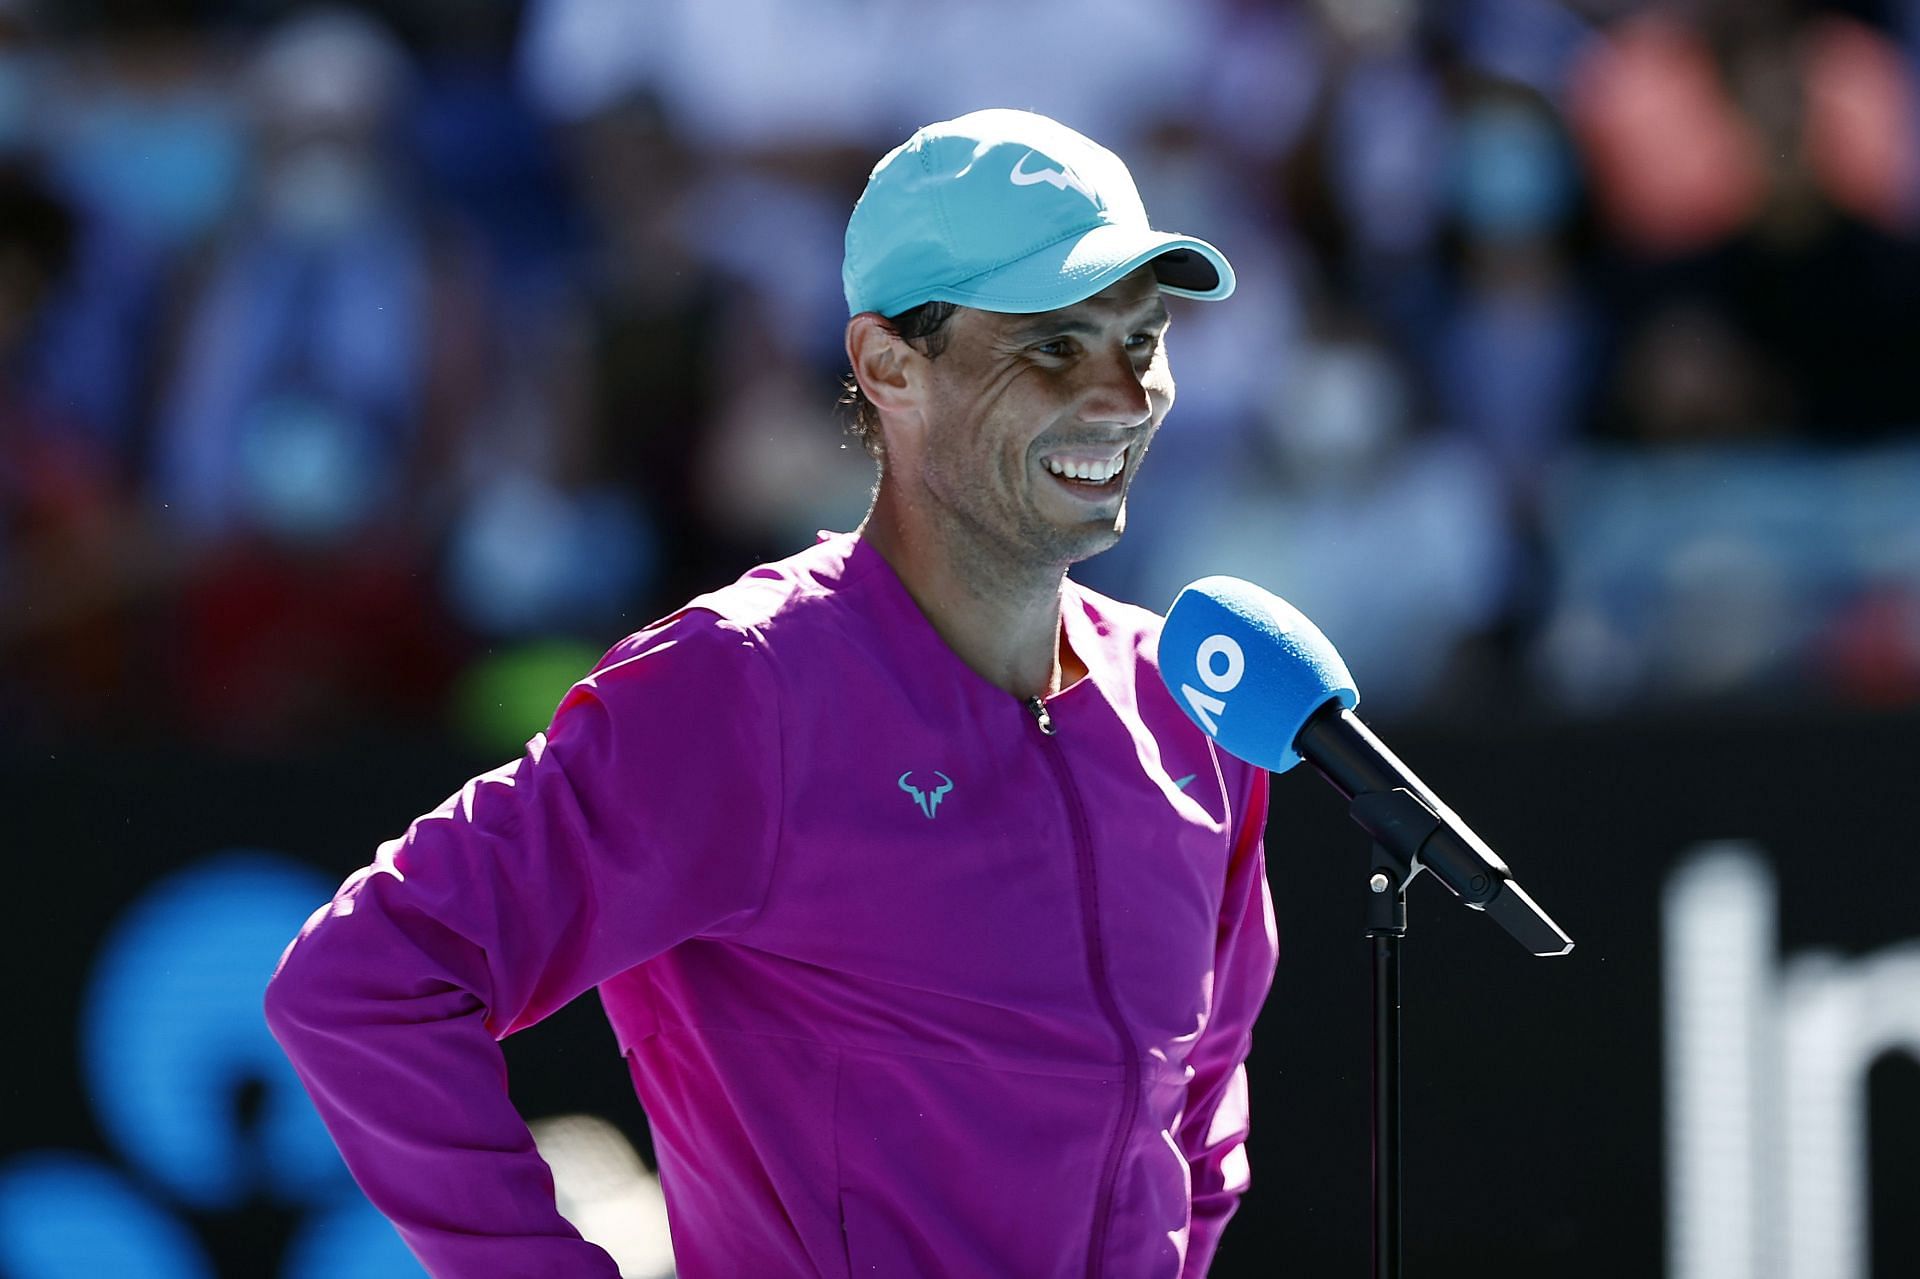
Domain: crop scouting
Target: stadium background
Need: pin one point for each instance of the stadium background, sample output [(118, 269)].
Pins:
[(1571, 387)]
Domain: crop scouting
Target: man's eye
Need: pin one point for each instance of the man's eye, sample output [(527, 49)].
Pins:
[(1143, 341), (1058, 348)]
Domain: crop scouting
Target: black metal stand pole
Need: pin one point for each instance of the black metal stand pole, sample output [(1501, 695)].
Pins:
[(1412, 834), (1386, 926)]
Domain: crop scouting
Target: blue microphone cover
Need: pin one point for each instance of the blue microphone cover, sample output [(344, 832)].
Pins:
[(1249, 668)]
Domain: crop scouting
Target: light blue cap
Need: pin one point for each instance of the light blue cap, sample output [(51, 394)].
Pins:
[(1009, 211)]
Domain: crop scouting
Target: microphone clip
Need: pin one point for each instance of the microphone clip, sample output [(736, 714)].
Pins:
[(1404, 828), (1400, 825)]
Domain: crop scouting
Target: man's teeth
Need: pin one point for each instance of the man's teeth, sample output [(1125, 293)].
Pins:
[(1095, 472)]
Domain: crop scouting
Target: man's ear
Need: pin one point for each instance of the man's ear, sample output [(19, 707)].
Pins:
[(883, 362)]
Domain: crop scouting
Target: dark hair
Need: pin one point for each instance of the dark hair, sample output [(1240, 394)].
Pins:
[(926, 327)]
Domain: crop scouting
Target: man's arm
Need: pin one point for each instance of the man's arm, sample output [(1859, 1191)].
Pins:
[(647, 814), (1213, 1132)]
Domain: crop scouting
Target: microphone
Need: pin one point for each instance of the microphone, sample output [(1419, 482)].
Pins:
[(1265, 684)]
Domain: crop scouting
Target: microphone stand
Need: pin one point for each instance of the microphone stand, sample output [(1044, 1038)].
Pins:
[(1402, 826), (1412, 831), (1386, 928)]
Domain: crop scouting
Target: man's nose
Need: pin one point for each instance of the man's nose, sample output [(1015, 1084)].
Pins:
[(1119, 392)]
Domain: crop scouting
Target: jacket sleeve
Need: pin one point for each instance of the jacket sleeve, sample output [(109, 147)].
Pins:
[(646, 814), (1213, 1131)]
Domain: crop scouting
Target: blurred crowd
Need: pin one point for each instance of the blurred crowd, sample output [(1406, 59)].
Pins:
[(373, 367)]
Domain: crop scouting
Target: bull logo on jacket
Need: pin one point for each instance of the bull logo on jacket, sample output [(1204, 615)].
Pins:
[(928, 800)]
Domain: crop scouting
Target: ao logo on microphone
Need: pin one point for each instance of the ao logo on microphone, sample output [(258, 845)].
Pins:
[(1220, 663)]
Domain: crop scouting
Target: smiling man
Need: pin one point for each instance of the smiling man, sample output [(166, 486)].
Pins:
[(931, 929)]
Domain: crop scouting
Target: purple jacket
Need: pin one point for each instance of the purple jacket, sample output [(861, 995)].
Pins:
[(906, 985)]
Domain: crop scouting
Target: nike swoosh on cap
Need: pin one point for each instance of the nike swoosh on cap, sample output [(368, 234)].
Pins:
[(1058, 177)]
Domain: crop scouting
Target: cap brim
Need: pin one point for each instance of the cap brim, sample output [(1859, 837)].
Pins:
[(1079, 267)]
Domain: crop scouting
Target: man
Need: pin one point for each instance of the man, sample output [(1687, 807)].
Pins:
[(932, 931)]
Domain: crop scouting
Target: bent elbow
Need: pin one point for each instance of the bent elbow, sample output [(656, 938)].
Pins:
[(294, 990), (286, 1003)]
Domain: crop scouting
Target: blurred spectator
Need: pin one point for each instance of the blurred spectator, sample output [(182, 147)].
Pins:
[(291, 439), (23, 79), (1823, 280), (1258, 81), (45, 469), (779, 468), (1861, 116), (144, 135), (1687, 375), (1516, 352), (485, 154), (1521, 42), (74, 555), (294, 408), (640, 358), (1385, 166), (1675, 167)]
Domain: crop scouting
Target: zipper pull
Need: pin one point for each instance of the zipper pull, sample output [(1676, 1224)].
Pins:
[(1040, 716)]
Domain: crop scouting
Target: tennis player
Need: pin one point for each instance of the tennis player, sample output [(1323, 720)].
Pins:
[(932, 931)]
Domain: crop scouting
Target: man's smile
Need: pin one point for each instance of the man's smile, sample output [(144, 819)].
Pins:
[(1089, 470)]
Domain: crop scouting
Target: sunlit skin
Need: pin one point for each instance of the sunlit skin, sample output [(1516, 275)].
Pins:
[(967, 512)]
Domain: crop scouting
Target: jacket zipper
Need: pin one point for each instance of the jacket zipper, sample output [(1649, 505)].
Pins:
[(1102, 986)]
